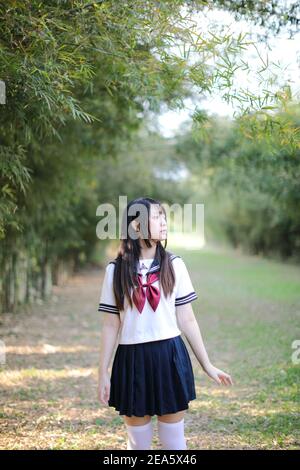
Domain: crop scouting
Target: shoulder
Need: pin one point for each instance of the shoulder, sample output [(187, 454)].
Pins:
[(172, 256), (179, 266), (177, 260), (110, 267), (111, 264)]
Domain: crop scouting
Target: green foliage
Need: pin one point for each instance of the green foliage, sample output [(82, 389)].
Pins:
[(273, 16), (81, 78), (254, 188)]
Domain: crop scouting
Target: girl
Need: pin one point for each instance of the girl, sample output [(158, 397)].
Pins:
[(146, 299)]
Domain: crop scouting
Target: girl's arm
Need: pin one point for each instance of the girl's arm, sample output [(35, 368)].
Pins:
[(188, 324), (109, 334)]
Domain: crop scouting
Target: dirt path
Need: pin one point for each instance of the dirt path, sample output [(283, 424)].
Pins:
[(48, 393)]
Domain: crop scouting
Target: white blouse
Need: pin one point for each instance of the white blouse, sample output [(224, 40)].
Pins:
[(149, 325)]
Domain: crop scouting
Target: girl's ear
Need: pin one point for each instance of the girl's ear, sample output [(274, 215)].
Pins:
[(135, 225)]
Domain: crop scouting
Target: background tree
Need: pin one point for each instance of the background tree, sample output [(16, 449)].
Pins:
[(81, 78)]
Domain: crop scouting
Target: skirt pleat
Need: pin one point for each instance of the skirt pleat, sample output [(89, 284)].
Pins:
[(152, 378)]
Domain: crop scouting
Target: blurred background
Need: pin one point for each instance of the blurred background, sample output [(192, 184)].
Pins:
[(183, 101)]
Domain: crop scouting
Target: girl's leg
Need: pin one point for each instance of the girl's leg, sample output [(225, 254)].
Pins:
[(171, 431), (172, 417), (137, 420), (139, 432)]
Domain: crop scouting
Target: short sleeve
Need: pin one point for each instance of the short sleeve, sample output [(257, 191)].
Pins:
[(185, 291), (107, 301)]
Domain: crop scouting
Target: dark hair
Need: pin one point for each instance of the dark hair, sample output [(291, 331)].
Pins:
[(129, 253)]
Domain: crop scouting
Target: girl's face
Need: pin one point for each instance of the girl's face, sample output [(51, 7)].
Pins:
[(157, 223)]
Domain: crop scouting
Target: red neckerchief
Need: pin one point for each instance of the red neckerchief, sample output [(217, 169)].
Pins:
[(152, 293)]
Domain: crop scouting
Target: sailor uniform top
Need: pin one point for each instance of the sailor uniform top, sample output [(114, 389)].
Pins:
[(152, 316)]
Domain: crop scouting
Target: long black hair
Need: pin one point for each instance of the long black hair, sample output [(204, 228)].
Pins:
[(129, 253)]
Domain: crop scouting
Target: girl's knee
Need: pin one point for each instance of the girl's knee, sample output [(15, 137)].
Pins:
[(139, 437), (171, 417), (137, 420), (171, 435)]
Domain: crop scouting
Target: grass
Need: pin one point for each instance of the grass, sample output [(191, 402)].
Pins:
[(248, 313)]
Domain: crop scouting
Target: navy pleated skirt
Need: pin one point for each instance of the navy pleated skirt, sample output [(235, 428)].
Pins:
[(152, 378)]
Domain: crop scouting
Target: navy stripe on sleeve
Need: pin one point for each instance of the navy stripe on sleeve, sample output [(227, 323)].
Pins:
[(108, 308), (186, 298)]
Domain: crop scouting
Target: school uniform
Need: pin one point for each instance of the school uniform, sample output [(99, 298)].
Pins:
[(152, 372)]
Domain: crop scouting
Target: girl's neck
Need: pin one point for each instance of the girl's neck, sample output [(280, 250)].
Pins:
[(148, 253)]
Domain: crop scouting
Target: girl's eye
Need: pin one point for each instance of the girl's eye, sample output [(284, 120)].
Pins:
[(158, 216)]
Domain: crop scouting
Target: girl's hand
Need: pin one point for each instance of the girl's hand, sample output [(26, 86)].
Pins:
[(104, 388), (218, 375)]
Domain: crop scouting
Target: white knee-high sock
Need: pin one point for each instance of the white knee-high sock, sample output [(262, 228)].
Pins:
[(139, 437), (171, 435)]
